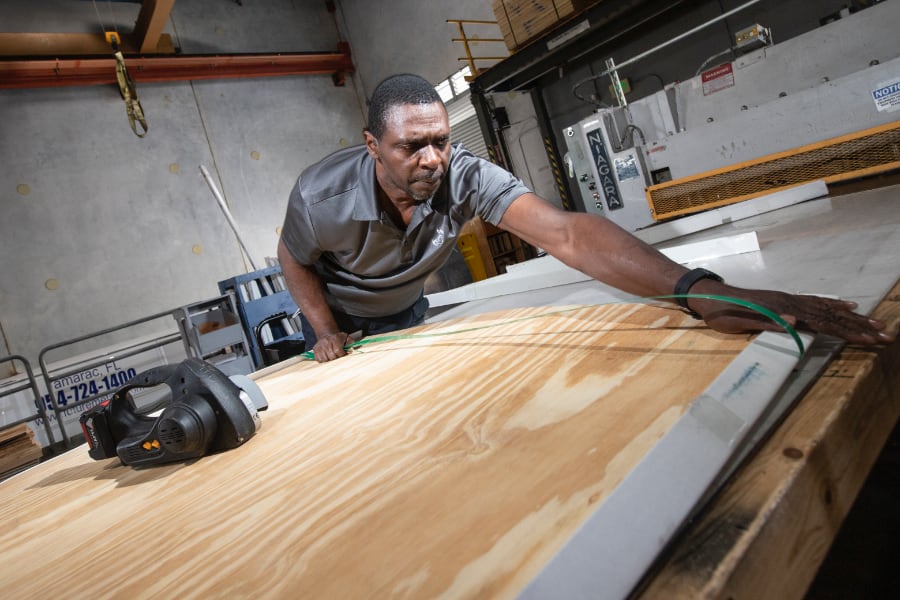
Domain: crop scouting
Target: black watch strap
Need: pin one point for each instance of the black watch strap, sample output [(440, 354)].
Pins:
[(687, 281)]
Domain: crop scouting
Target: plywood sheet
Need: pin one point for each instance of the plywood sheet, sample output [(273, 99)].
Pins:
[(453, 466)]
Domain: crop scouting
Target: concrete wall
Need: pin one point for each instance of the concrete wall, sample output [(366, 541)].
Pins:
[(413, 36), (100, 227)]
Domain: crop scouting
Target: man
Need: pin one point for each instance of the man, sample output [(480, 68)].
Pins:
[(367, 225)]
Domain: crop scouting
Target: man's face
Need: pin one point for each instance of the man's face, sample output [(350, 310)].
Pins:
[(413, 152)]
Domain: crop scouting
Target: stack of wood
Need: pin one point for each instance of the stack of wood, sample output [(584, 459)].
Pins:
[(521, 21), (18, 449)]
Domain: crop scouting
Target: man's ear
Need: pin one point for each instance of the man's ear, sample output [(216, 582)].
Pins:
[(371, 144)]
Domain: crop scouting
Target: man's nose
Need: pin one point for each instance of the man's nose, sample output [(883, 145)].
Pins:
[(429, 157)]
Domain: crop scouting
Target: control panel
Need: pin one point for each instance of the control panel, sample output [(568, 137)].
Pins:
[(611, 183)]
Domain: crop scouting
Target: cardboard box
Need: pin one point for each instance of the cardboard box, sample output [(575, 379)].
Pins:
[(521, 21)]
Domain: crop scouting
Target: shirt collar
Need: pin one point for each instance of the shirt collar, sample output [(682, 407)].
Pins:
[(365, 205)]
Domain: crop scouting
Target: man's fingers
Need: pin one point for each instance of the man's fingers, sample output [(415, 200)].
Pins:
[(330, 347), (328, 353), (837, 318), (822, 315)]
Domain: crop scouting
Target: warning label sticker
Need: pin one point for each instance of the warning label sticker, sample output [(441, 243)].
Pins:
[(717, 79), (887, 96)]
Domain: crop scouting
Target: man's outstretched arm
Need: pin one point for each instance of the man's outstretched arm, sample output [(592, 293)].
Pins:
[(600, 248), (305, 287)]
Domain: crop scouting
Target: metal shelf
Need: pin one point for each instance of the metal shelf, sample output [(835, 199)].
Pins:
[(212, 331)]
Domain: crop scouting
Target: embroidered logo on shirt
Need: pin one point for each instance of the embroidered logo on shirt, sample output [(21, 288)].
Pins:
[(438, 239)]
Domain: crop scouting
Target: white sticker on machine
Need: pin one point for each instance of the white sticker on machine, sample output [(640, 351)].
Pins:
[(626, 168), (717, 79), (887, 96)]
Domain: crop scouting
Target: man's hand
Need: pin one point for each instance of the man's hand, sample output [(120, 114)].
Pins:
[(331, 346), (308, 292), (809, 313)]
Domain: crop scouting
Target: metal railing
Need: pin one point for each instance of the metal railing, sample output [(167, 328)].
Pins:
[(51, 376), (29, 383), (466, 41)]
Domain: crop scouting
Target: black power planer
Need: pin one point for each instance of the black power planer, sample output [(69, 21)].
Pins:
[(204, 411)]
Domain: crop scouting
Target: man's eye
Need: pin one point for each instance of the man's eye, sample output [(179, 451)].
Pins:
[(413, 147)]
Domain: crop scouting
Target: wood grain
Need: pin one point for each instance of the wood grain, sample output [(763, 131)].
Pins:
[(451, 466), (18, 449), (766, 534)]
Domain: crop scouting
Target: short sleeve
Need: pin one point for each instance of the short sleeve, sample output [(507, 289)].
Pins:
[(298, 233), (490, 187)]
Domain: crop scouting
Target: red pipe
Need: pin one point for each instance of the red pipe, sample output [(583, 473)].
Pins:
[(96, 71)]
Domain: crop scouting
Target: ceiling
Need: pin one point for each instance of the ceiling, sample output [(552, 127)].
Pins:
[(64, 59), (147, 38)]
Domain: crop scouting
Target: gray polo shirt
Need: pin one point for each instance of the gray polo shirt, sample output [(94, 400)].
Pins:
[(370, 267)]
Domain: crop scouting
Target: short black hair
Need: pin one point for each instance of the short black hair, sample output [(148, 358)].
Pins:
[(395, 90)]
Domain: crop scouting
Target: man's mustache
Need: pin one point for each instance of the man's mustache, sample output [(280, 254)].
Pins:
[(430, 177)]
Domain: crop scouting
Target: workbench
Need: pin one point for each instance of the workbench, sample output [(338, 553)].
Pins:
[(771, 526), (768, 529), (763, 534)]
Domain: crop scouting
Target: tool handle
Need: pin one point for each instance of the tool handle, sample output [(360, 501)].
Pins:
[(151, 377)]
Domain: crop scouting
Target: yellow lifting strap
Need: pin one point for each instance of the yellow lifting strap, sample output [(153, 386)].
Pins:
[(129, 95)]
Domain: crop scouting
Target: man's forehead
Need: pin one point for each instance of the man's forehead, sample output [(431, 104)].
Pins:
[(407, 119)]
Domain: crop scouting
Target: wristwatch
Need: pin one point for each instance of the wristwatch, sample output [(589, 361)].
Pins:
[(687, 281)]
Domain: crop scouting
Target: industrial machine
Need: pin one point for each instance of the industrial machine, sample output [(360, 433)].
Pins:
[(204, 411), (820, 106)]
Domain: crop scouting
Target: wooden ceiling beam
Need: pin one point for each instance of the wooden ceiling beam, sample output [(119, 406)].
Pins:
[(150, 22)]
